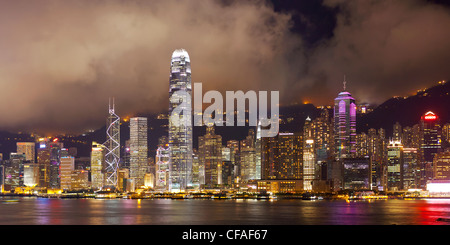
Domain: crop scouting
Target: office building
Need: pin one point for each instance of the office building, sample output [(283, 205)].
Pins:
[(97, 165), (356, 173), (344, 125), (27, 148), (112, 148), (67, 166), (282, 157), (180, 130), (210, 156), (138, 149), (441, 166), (394, 166)]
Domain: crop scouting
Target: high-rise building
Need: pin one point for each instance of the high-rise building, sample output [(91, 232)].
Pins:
[(356, 173), (446, 133), (395, 166), (233, 145), (43, 159), (80, 179), (344, 125), (410, 170), (138, 149), (14, 171), (431, 141), (162, 164), (31, 174), (210, 156), (180, 131), (308, 156), (258, 149), (27, 148), (112, 147), (67, 166), (430, 144), (97, 163), (56, 152), (322, 134), (282, 157), (441, 166), (247, 158)]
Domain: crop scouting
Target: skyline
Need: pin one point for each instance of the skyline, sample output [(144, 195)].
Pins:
[(65, 59)]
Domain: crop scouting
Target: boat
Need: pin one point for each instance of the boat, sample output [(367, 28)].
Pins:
[(11, 200)]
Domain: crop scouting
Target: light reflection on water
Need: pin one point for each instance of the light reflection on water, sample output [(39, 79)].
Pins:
[(43, 211)]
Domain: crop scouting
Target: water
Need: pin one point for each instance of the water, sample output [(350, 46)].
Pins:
[(44, 211)]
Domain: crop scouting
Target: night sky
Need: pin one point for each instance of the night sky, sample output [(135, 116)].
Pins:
[(60, 61)]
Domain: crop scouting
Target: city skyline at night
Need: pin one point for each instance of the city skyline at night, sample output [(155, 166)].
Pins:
[(225, 112)]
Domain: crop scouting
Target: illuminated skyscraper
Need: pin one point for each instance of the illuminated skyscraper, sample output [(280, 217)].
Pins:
[(138, 149), (282, 157), (210, 156), (162, 164), (431, 141), (97, 160), (56, 151), (395, 166), (27, 148), (430, 144), (43, 159), (247, 157), (410, 168), (441, 166), (112, 147), (180, 132), (344, 125), (308, 155), (67, 166)]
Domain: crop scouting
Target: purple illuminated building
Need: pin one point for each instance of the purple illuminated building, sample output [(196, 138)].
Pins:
[(344, 125)]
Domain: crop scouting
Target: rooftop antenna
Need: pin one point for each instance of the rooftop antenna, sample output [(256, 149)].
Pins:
[(111, 109)]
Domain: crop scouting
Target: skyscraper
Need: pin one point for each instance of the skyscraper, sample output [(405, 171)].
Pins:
[(162, 164), (138, 149), (395, 166), (112, 146), (67, 166), (282, 157), (247, 157), (210, 156), (430, 144), (27, 148), (308, 155), (344, 125), (55, 164), (180, 133), (97, 159)]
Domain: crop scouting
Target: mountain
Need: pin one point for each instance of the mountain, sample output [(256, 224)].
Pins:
[(408, 110)]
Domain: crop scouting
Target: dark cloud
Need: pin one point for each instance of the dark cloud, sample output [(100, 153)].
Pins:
[(60, 61), (385, 48)]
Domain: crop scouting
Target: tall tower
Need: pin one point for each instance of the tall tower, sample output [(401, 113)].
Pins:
[(344, 125), (112, 147), (180, 134), (138, 149)]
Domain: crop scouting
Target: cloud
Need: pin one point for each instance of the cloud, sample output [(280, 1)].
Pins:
[(62, 60), (385, 48)]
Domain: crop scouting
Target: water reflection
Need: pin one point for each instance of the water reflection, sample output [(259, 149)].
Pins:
[(43, 211)]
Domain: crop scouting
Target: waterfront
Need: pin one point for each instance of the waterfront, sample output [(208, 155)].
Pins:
[(88, 211)]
